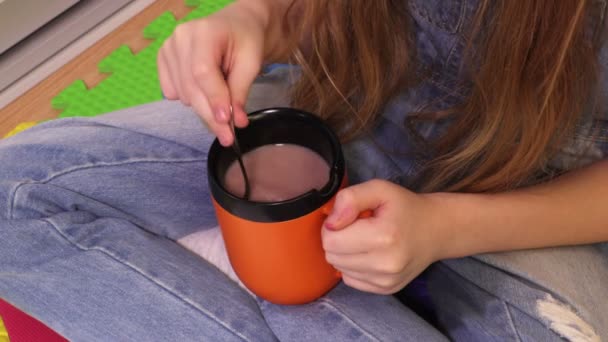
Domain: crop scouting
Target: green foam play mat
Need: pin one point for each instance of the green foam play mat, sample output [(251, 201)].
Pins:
[(133, 78)]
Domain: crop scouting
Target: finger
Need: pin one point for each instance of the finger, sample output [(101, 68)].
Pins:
[(362, 236), (379, 262), (384, 282), (242, 73), (209, 78), (363, 263), (222, 131), (164, 77), (387, 284), (363, 285), (189, 88), (172, 61), (353, 200), (240, 116), (361, 276)]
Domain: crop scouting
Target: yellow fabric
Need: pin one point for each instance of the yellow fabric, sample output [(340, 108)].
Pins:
[(20, 128), (3, 332)]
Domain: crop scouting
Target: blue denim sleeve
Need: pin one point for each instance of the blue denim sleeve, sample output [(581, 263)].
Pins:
[(589, 142), (601, 117), (602, 120), (599, 124)]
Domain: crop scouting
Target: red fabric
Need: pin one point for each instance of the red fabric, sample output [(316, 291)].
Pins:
[(24, 328)]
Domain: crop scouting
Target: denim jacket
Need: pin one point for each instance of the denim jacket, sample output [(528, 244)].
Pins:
[(439, 37)]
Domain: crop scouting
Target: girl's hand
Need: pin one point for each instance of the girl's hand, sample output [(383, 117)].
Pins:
[(383, 253), (210, 64)]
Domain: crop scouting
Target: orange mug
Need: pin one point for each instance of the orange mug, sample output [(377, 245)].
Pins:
[(275, 248)]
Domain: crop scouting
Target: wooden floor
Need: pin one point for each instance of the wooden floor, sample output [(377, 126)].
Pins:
[(35, 105)]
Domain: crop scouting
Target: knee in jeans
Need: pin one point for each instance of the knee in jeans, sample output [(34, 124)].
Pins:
[(565, 320), (479, 307)]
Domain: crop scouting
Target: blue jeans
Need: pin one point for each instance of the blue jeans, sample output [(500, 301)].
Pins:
[(89, 213), (90, 210)]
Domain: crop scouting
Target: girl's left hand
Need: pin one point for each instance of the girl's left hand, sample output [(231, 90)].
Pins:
[(383, 253)]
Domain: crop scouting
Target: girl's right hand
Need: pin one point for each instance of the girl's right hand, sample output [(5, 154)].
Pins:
[(210, 64)]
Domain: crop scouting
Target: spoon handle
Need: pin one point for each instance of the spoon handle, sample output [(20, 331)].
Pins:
[(239, 155)]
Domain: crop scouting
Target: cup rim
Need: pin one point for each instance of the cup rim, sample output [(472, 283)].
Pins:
[(282, 210)]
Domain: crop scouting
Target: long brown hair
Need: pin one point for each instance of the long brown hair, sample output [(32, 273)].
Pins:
[(535, 66)]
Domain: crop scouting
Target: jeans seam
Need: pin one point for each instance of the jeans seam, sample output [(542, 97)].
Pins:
[(11, 200), (143, 274), (125, 215), (85, 122), (331, 305), (121, 163), (511, 321), (13, 194)]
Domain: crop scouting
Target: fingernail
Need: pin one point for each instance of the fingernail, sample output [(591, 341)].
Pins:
[(224, 140), (333, 220), (221, 114), (329, 225)]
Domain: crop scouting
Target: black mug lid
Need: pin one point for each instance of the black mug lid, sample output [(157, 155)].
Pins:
[(278, 126)]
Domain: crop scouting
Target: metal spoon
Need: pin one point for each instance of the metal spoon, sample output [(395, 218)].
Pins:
[(239, 155)]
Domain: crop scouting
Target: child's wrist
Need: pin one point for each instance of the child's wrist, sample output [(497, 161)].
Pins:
[(453, 224)]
